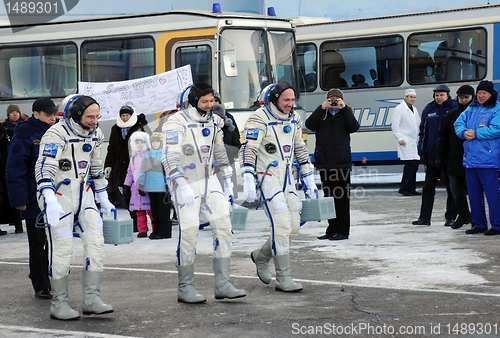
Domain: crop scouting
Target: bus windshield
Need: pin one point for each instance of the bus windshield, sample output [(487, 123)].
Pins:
[(250, 60)]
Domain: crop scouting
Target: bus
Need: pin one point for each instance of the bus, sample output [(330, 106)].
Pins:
[(374, 60), (238, 54)]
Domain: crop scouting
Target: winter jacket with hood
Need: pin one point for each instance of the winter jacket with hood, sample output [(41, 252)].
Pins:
[(484, 150), (137, 202)]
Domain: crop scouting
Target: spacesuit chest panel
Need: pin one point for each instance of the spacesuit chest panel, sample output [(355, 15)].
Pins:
[(76, 157), (278, 142), (199, 142)]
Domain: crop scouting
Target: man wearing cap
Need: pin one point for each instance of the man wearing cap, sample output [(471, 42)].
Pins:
[(70, 179), (432, 116), (450, 150), (333, 122), (192, 144), (479, 126), (20, 170), (272, 140), (13, 117), (405, 123)]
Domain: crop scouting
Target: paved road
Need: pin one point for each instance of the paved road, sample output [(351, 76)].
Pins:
[(390, 279)]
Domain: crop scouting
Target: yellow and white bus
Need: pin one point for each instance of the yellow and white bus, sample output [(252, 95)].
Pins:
[(371, 61)]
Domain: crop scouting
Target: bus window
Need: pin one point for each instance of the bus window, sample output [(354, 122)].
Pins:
[(457, 55), (199, 57), (117, 59), (362, 63), (37, 71), (306, 57), (281, 52)]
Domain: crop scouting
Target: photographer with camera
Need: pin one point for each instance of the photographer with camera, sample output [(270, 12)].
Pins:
[(333, 123)]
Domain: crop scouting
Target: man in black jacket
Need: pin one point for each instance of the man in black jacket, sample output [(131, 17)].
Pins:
[(451, 148), (333, 122), (432, 115)]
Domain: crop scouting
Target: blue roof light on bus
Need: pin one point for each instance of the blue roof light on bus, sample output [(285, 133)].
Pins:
[(216, 8), (271, 11)]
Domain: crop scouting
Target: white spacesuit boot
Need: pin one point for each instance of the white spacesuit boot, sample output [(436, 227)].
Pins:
[(283, 280), (59, 308), (92, 302), (261, 258), (223, 286), (187, 293)]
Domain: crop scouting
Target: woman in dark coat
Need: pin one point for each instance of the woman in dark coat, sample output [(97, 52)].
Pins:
[(333, 122)]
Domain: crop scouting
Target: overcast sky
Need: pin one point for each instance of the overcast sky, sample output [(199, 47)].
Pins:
[(321, 8)]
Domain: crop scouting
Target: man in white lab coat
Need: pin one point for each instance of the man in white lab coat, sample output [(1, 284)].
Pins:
[(405, 124)]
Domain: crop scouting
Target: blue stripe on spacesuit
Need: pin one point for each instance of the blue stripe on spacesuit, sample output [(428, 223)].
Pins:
[(51, 250)]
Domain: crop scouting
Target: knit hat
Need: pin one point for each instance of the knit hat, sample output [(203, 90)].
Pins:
[(126, 110), (442, 88), (13, 107), (156, 136), (465, 90), (335, 92), (487, 86)]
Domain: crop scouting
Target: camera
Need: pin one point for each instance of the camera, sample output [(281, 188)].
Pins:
[(334, 103)]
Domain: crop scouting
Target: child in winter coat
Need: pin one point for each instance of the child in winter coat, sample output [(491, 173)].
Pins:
[(153, 181), (139, 144)]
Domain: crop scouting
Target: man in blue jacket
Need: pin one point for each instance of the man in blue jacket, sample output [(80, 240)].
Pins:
[(23, 153), (432, 115), (479, 125)]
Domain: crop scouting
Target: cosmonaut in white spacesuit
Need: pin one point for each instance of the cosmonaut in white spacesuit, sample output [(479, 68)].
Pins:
[(192, 143), (69, 171), (272, 139)]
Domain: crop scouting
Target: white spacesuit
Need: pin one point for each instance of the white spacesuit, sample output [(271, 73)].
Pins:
[(69, 171), (192, 143), (272, 140)]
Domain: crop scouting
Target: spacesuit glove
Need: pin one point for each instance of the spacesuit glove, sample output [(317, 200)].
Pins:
[(311, 186), (107, 172), (106, 206), (249, 187), (186, 191), (228, 187), (53, 209)]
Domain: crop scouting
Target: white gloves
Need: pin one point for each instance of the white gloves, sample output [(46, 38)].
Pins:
[(53, 208), (186, 191), (106, 205), (107, 172), (228, 187), (311, 186), (249, 187)]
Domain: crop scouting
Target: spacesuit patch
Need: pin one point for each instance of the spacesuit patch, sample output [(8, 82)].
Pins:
[(205, 149), (65, 164), (188, 149), (253, 134), (50, 150), (82, 164), (172, 137), (287, 148), (270, 148)]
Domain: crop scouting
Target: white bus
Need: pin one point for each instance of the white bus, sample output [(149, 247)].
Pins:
[(238, 54), (371, 61)]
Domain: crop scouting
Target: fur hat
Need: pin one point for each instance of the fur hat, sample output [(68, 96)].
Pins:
[(139, 135), (13, 107), (487, 86), (335, 92)]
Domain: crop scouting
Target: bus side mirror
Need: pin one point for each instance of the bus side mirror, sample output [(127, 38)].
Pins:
[(230, 65)]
